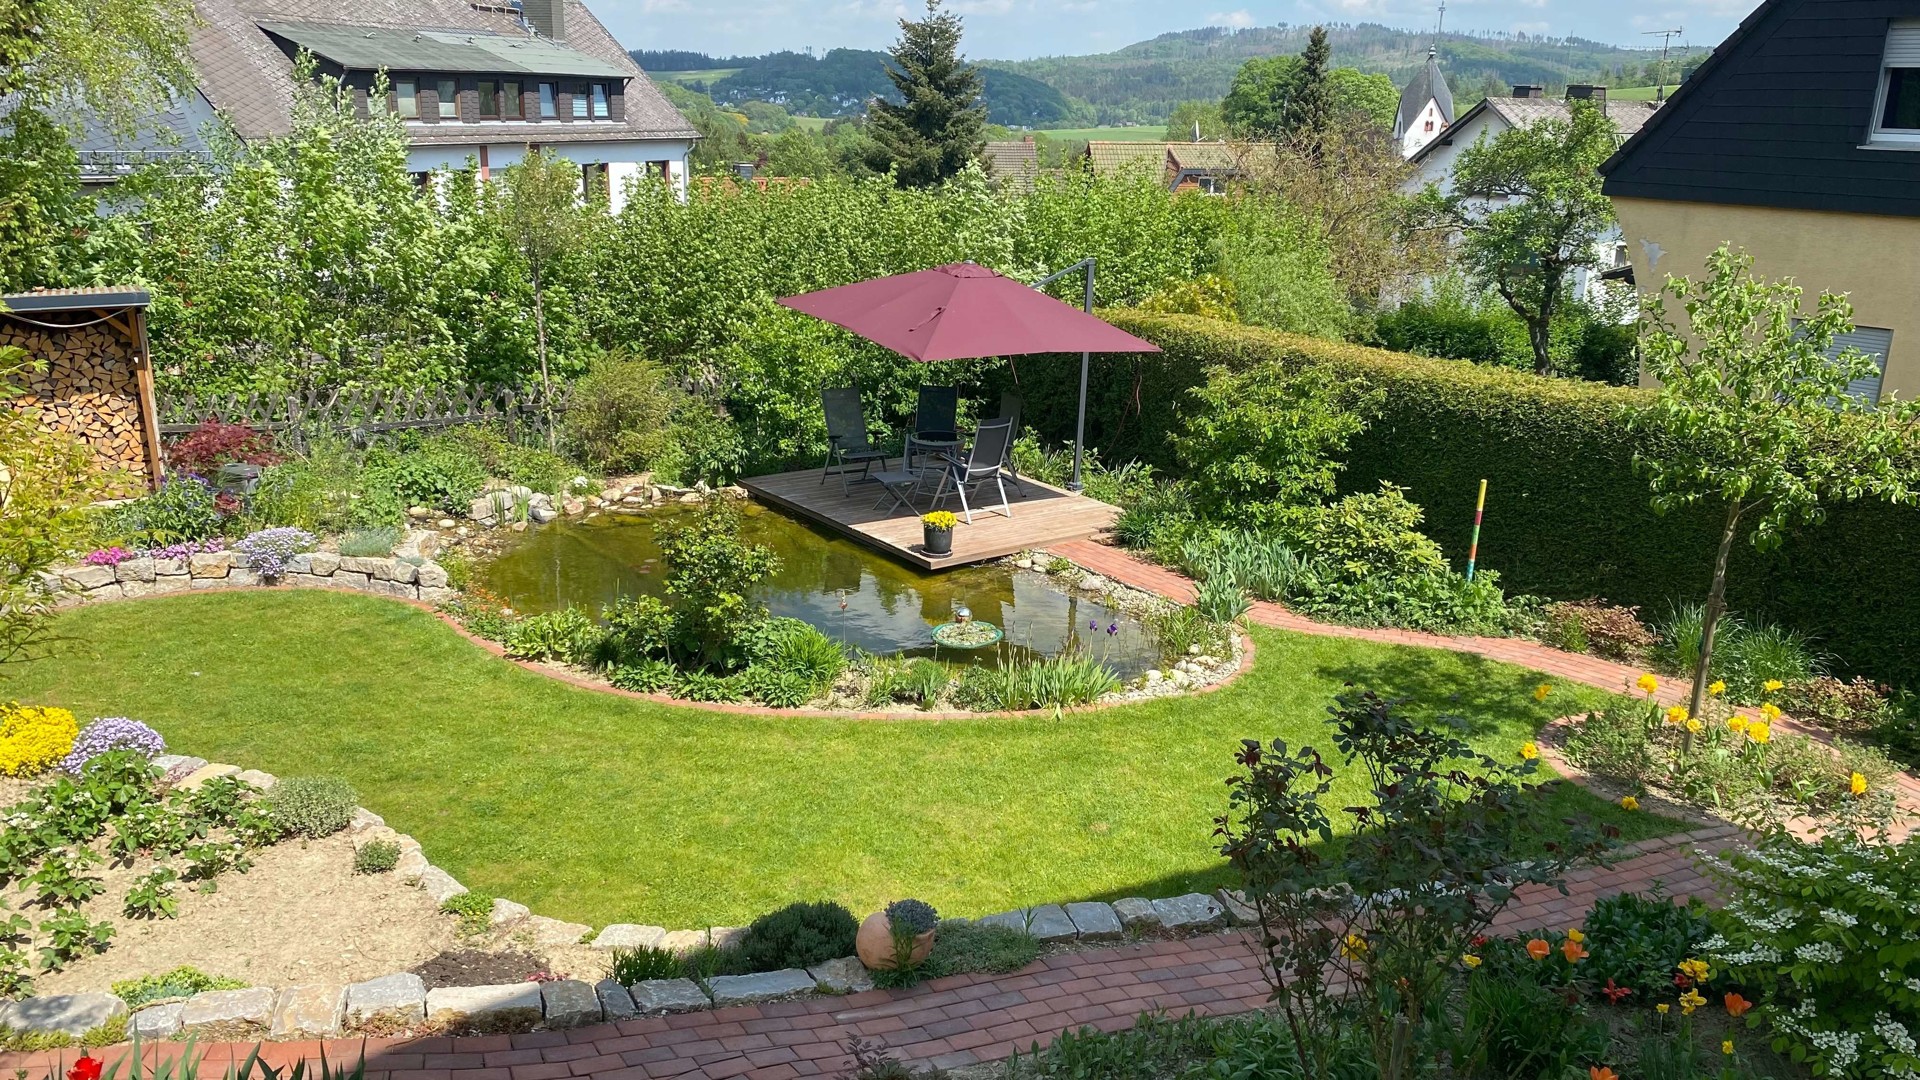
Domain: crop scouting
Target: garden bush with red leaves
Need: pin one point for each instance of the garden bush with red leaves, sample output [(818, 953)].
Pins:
[(1600, 628), (214, 443)]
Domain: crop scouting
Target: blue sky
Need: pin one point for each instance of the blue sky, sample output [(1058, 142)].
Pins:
[(1014, 29)]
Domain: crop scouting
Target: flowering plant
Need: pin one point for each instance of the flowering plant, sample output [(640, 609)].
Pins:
[(269, 549), (33, 739), (940, 520), (112, 556), (1824, 932), (107, 734)]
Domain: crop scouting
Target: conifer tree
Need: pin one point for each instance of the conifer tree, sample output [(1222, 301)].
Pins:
[(937, 128), (1310, 112)]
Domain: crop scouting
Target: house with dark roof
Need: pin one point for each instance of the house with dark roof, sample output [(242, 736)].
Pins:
[(1011, 163), (1797, 140), (480, 81), (1183, 166), (1426, 107)]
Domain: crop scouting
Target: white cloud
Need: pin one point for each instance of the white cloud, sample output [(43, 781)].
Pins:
[(1239, 20)]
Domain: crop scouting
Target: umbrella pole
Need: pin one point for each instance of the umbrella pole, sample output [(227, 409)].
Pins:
[(1080, 419)]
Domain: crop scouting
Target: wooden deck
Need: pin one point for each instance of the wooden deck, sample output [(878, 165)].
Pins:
[(1048, 515)]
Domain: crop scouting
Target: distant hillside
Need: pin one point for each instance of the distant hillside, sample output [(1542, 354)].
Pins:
[(1142, 82), (842, 81)]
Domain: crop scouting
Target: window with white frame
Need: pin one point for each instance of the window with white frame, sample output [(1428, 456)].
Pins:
[(1896, 111)]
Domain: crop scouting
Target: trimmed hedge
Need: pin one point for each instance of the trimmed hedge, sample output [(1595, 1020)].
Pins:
[(1567, 516)]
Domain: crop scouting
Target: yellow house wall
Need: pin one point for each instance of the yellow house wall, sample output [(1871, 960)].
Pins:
[(1874, 260)]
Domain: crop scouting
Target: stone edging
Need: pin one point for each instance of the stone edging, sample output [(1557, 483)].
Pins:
[(399, 576), (427, 597)]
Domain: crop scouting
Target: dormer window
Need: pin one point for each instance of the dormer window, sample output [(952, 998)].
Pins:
[(600, 101), (1896, 115)]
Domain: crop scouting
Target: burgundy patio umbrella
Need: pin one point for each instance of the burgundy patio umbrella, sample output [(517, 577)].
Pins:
[(964, 311)]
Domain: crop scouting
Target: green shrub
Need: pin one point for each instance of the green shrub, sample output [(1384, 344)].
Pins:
[(644, 677), (637, 627), (799, 936), (1221, 600), (794, 647), (620, 418), (1637, 942), (707, 686), (475, 911), (775, 688), (376, 857), (567, 635), (179, 983), (441, 472), (182, 509), (962, 947), (1567, 515), (312, 806), (375, 543), (1052, 682), (630, 966)]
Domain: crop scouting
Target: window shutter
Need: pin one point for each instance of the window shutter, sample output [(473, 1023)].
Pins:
[(1875, 343), (1903, 46)]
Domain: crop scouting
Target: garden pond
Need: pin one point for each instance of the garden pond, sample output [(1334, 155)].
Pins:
[(855, 595)]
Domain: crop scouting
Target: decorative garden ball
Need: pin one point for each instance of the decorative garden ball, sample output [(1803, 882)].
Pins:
[(874, 943)]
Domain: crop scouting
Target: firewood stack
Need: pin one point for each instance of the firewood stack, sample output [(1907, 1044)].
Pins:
[(90, 388)]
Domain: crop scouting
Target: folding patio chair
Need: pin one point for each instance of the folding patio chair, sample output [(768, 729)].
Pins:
[(847, 443), (1010, 406), (936, 421), (986, 462)]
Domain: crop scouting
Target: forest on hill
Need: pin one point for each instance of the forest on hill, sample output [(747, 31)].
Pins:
[(1143, 82)]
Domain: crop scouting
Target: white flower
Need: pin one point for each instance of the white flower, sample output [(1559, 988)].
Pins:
[(1839, 918), (1819, 952), (1893, 1033)]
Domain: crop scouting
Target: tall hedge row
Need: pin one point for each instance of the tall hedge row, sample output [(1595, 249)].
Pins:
[(1567, 516)]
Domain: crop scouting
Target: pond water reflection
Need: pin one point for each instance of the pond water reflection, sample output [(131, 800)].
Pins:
[(855, 595)]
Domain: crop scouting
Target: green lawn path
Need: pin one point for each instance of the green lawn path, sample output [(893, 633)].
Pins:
[(600, 809)]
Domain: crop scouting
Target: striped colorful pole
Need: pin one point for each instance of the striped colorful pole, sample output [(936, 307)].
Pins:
[(1473, 550)]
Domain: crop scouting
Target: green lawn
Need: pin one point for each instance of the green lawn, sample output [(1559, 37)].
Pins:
[(603, 809), (812, 123), (703, 75), (1638, 93), (1143, 133)]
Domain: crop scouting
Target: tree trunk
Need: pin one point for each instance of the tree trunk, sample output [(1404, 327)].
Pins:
[(540, 336), (1540, 329), (1710, 620)]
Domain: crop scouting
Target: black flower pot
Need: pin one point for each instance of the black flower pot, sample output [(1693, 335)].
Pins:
[(937, 541)]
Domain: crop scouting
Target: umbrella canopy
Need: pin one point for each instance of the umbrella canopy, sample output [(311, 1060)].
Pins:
[(962, 311)]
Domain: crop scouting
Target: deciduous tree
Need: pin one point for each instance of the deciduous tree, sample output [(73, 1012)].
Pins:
[(937, 129), (1529, 210), (1753, 416), (541, 214)]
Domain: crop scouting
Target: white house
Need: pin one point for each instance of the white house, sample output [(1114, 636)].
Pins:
[(1426, 107), (1434, 162), (475, 81)]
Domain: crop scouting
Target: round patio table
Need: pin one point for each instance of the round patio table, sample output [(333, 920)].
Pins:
[(936, 443)]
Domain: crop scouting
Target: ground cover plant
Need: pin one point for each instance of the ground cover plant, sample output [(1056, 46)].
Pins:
[(975, 816)]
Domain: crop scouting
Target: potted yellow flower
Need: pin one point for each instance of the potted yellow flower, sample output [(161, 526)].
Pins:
[(937, 532)]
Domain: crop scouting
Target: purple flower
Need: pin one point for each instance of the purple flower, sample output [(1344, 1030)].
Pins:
[(112, 556), (110, 733), (1113, 628), (183, 550), (1093, 624), (269, 549)]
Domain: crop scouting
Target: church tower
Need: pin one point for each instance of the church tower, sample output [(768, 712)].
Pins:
[(1426, 107)]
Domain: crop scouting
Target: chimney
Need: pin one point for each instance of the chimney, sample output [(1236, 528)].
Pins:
[(1584, 92), (547, 17), (1027, 138), (1521, 90)]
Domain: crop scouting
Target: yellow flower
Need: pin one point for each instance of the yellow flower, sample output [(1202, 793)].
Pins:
[(1628, 802), (1771, 685), (1540, 692), (1647, 684), (1736, 723), (1529, 751), (1857, 784), (34, 738), (1696, 969), (1690, 1001), (1661, 1008), (1574, 935), (1677, 714), (1760, 733), (1726, 1046), (1354, 947), (1470, 960), (1694, 725), (1769, 710), (1717, 687)]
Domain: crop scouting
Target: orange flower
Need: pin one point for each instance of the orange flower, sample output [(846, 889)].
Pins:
[(1601, 1072), (1737, 1005), (1573, 951), (1538, 949)]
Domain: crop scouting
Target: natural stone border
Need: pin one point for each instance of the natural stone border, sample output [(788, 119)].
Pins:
[(403, 577)]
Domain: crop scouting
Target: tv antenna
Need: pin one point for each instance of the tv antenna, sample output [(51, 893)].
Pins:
[(1666, 39)]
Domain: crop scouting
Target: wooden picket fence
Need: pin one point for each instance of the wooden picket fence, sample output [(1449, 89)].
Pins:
[(363, 416)]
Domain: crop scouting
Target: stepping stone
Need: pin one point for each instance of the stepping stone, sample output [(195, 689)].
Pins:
[(669, 996), (552, 933), (846, 975), (615, 1002), (1012, 920), (309, 1012), (1049, 923), (629, 936), (1194, 911), (158, 1022), (401, 997), (1096, 922), (507, 1001), (761, 986), (1137, 913), (570, 1003), (67, 1014), (254, 1005)]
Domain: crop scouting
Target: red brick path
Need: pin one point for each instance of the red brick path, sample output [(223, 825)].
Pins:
[(964, 1019)]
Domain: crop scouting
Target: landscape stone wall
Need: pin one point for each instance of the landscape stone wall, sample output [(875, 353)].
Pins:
[(406, 577)]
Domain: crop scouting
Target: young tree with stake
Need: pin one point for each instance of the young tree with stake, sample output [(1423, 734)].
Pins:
[(1753, 416), (544, 219)]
